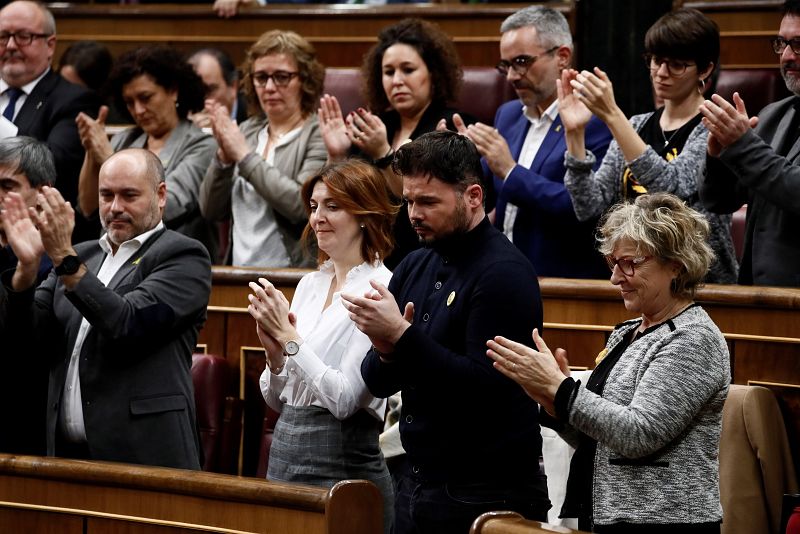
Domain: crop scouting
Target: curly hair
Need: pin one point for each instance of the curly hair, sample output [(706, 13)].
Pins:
[(167, 68), (434, 47), (359, 189), (311, 71), (662, 225)]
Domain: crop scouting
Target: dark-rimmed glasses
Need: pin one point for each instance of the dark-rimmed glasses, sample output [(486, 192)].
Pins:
[(21, 38), (674, 67), (281, 78), (520, 64), (626, 265), (779, 44)]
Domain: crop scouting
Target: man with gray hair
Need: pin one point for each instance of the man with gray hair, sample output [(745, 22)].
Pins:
[(525, 149), (36, 101), (26, 165)]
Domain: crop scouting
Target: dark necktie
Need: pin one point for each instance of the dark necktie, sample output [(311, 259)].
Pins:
[(13, 94)]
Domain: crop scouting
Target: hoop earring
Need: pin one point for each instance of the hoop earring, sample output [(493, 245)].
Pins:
[(702, 86)]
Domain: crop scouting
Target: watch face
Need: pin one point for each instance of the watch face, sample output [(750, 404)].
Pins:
[(292, 348), (69, 265)]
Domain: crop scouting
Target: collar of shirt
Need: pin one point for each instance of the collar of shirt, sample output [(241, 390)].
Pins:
[(133, 244), (549, 114), (28, 87)]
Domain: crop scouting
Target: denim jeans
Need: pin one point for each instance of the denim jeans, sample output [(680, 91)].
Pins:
[(441, 508)]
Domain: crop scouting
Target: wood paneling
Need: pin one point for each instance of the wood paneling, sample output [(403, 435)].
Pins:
[(52, 494)]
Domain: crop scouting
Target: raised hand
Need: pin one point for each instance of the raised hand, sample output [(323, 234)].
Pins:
[(333, 128), (55, 222), (377, 315), (726, 123), (596, 92), (233, 146), (270, 308), (368, 133), (93, 135), (492, 146), (20, 232), (574, 113)]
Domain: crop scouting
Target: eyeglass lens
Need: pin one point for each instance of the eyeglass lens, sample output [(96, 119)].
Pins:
[(281, 78), (779, 44)]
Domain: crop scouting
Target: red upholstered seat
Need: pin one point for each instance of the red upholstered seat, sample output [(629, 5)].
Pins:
[(210, 379)]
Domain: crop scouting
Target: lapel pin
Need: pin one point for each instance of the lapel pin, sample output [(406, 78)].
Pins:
[(451, 297), (558, 128), (39, 104), (136, 261)]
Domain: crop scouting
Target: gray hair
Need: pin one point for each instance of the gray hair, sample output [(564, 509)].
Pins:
[(662, 225), (551, 26), (28, 156)]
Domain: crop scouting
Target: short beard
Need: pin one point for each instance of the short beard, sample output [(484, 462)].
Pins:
[(460, 223), (792, 82)]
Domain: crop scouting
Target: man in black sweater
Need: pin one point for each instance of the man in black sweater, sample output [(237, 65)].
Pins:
[(471, 435)]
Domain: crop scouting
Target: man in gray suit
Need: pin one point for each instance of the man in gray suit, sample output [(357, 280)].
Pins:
[(118, 318), (756, 160)]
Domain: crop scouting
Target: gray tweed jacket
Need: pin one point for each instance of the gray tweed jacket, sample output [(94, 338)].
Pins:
[(658, 424)]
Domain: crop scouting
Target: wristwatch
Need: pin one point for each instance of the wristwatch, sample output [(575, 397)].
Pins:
[(69, 265), (291, 347)]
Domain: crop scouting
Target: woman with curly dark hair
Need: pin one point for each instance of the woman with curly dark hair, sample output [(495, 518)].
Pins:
[(156, 89), (262, 163), (410, 76)]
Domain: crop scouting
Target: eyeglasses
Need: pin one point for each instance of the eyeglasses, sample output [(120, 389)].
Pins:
[(281, 78), (21, 38), (626, 265), (779, 44), (520, 64), (674, 67)]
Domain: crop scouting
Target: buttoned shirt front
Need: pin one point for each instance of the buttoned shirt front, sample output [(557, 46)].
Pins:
[(71, 420)]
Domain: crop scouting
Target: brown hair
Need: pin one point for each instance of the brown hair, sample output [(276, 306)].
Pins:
[(685, 34), (312, 73), (434, 47), (360, 190)]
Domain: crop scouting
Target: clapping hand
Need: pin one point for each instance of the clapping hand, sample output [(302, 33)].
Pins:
[(333, 128), (574, 113), (726, 124)]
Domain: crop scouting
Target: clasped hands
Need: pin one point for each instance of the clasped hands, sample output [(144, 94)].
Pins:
[(33, 231), (378, 316), (275, 324), (539, 371), (233, 147)]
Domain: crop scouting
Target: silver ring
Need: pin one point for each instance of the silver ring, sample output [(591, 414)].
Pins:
[(514, 366)]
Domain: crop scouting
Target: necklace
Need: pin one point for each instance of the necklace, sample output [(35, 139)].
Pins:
[(291, 127), (668, 139)]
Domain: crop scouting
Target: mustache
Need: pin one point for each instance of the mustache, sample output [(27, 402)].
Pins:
[(118, 218), (9, 54), (790, 65), (521, 84), (417, 224)]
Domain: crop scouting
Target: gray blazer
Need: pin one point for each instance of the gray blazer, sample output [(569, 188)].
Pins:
[(186, 157), (753, 171), (135, 363), (658, 423), (279, 184)]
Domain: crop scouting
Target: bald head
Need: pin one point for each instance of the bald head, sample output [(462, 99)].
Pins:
[(23, 63), (132, 194)]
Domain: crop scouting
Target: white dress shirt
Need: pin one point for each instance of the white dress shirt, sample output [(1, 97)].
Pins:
[(533, 141), (26, 90), (71, 419), (326, 372)]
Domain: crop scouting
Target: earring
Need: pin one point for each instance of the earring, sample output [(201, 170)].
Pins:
[(702, 86), (362, 225)]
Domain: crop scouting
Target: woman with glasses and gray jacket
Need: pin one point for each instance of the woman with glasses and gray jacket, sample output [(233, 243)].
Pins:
[(261, 165), (663, 150)]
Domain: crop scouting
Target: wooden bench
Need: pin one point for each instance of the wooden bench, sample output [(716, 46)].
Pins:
[(79, 497), (514, 523)]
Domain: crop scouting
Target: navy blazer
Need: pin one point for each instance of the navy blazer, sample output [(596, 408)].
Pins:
[(135, 363), (546, 229)]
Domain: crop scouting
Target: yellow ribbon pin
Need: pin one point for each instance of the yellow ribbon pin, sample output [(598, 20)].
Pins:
[(136, 261), (451, 297)]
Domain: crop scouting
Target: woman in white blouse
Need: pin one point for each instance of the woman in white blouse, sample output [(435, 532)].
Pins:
[(329, 423)]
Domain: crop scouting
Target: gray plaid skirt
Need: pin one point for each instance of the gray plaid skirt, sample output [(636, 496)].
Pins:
[(310, 446)]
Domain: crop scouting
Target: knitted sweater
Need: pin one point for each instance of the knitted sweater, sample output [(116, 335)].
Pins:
[(593, 193), (658, 424)]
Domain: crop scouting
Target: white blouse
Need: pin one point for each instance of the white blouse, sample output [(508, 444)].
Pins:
[(326, 372)]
